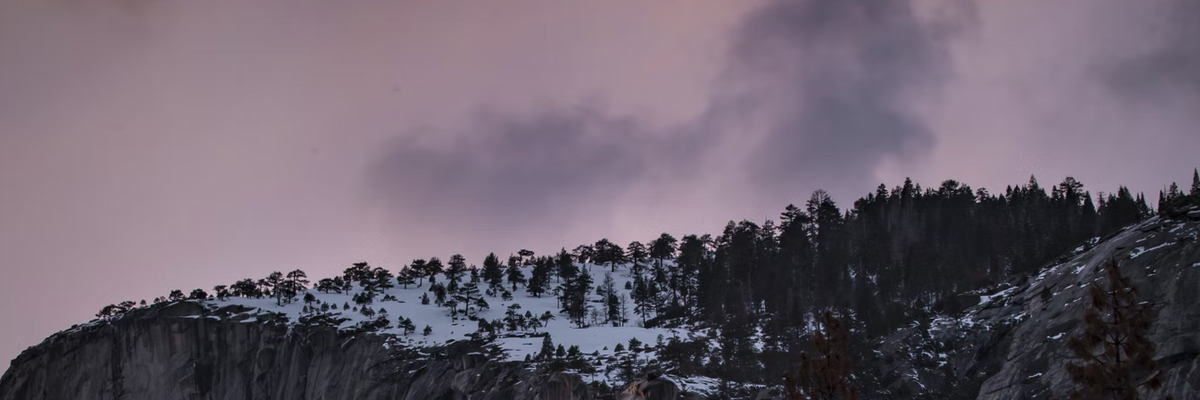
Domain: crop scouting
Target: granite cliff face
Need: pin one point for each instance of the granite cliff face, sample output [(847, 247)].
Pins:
[(184, 351), (1012, 343)]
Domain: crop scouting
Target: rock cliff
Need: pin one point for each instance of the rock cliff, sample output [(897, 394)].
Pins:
[(1012, 344), (185, 351)]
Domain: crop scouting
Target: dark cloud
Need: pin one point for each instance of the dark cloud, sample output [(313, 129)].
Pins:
[(512, 173), (816, 94), (1166, 64), (840, 79)]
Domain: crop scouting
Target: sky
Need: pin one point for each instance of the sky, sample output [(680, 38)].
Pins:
[(150, 145)]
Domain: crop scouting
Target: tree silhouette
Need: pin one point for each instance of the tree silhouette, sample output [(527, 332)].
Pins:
[(1117, 357), (825, 375)]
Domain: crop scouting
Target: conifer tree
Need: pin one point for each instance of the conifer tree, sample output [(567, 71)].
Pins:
[(525, 255), (514, 273), (405, 276), (539, 278), (434, 267), (271, 283), (663, 248), (566, 266), (637, 254), (493, 273), (547, 348), (824, 375), (419, 270), (1195, 183), (455, 268), (1117, 357)]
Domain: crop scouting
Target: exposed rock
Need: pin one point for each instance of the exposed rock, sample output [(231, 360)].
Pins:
[(183, 351), (1013, 346)]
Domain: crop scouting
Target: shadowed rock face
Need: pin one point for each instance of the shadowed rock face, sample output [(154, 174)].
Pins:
[(184, 351), (1013, 346)]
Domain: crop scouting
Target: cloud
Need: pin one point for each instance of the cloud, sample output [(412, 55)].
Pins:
[(1165, 65), (511, 176), (839, 80), (815, 94)]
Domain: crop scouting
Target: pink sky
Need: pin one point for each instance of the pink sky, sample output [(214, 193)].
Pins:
[(155, 145)]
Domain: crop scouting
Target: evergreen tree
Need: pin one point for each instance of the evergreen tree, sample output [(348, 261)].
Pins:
[(663, 248), (221, 291), (637, 254), (606, 252), (455, 269), (826, 374), (514, 273), (271, 283), (525, 255), (539, 278), (1113, 347), (428, 330), (575, 295), (612, 303), (420, 269), (245, 288), (357, 272), (493, 273), (470, 296), (434, 267), (1195, 183), (583, 254), (641, 299), (547, 348), (405, 277), (565, 266)]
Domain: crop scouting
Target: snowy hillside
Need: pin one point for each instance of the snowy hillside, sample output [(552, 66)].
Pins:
[(598, 343)]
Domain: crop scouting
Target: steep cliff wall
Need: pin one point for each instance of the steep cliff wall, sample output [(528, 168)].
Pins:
[(1012, 345), (184, 351)]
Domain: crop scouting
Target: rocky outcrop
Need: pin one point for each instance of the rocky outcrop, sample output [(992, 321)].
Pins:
[(185, 351), (1013, 344)]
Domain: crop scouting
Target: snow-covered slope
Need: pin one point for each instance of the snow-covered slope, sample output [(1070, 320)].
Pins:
[(598, 343)]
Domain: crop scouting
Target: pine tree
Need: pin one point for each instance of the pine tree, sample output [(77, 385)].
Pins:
[(221, 291), (663, 248), (825, 375), (419, 270), (493, 273), (434, 267), (1117, 357), (641, 298), (1195, 183), (547, 348), (526, 255), (565, 266), (455, 268), (612, 303), (539, 278), (405, 276), (514, 273), (583, 253), (470, 296)]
